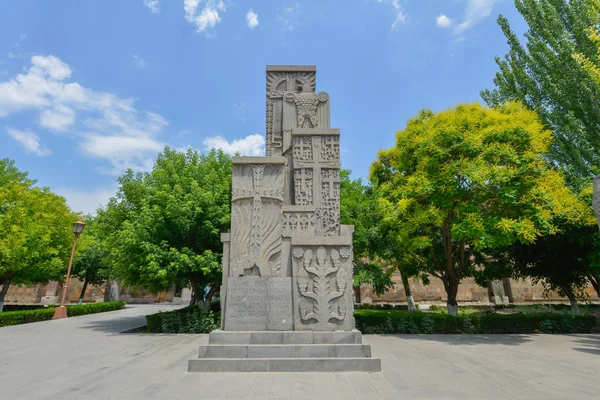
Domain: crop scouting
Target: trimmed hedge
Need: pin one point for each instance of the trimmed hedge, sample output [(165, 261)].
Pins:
[(44, 314), (93, 308), (24, 317), (23, 307), (185, 320), (381, 322)]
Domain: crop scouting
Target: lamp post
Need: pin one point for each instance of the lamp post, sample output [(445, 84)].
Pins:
[(61, 312)]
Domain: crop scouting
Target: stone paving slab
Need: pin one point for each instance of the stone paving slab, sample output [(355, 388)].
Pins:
[(88, 358)]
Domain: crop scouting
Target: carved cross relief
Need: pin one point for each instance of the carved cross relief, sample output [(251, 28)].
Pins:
[(317, 179), (263, 222)]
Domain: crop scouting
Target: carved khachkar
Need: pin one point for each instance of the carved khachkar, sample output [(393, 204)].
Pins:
[(257, 198), (287, 263)]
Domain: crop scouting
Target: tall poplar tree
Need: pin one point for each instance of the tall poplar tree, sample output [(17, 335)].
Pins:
[(543, 75)]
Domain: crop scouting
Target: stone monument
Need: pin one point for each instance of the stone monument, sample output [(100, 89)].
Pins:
[(286, 297)]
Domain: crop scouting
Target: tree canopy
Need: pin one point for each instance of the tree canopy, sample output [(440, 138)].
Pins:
[(35, 231), (468, 180), (543, 75), (163, 227)]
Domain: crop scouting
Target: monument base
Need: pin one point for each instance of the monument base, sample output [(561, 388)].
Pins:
[(287, 351)]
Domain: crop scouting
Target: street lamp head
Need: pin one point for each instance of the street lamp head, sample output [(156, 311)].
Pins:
[(78, 227)]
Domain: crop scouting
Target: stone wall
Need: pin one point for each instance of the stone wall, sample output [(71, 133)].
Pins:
[(468, 292), (21, 294)]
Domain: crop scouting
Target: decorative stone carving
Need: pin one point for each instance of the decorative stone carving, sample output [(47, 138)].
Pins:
[(287, 263), (306, 107), (300, 223), (317, 178), (323, 280), (257, 198)]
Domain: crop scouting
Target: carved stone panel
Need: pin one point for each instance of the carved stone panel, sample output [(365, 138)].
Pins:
[(257, 199), (280, 117), (299, 223), (316, 161), (322, 285), (258, 304)]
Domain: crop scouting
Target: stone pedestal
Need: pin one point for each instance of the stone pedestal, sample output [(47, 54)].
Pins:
[(286, 297), (267, 351)]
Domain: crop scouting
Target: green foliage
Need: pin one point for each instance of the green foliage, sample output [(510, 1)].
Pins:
[(93, 308), (387, 322), (185, 320), (545, 77), (24, 317), (358, 207), (35, 230), (163, 227), (467, 181), (44, 314), (93, 261)]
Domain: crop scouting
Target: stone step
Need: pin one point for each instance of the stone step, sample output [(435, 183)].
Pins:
[(285, 351), (285, 365), (284, 337)]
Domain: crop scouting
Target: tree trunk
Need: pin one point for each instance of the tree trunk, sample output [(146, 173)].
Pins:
[(112, 291), (595, 281), (452, 290), (205, 304), (491, 294), (573, 300), (508, 290), (410, 301), (197, 295), (81, 296), (5, 286)]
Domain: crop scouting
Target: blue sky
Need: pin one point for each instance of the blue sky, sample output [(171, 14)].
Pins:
[(90, 88)]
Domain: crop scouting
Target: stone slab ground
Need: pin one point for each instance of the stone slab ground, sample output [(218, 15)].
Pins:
[(88, 358)]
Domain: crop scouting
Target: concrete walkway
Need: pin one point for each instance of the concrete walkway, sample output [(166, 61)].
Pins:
[(88, 358)]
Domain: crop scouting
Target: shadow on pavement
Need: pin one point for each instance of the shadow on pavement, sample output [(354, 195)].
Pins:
[(468, 339), (591, 343)]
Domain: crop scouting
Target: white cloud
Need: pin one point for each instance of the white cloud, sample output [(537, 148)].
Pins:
[(251, 19), (113, 129), (123, 152), (400, 16), (58, 118), (252, 145), (289, 17), (29, 140), (22, 38), (443, 22), (153, 6), (475, 11), (140, 61), (86, 200), (206, 19)]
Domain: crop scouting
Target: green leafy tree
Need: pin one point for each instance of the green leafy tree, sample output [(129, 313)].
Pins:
[(163, 227), (561, 262), (469, 180), (592, 64), (358, 207), (35, 231), (543, 75)]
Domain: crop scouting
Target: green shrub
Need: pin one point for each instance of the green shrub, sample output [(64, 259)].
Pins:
[(394, 322), (23, 307), (185, 320), (93, 308), (23, 317), (46, 313)]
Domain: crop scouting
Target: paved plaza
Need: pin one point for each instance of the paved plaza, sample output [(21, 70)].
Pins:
[(88, 357)]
